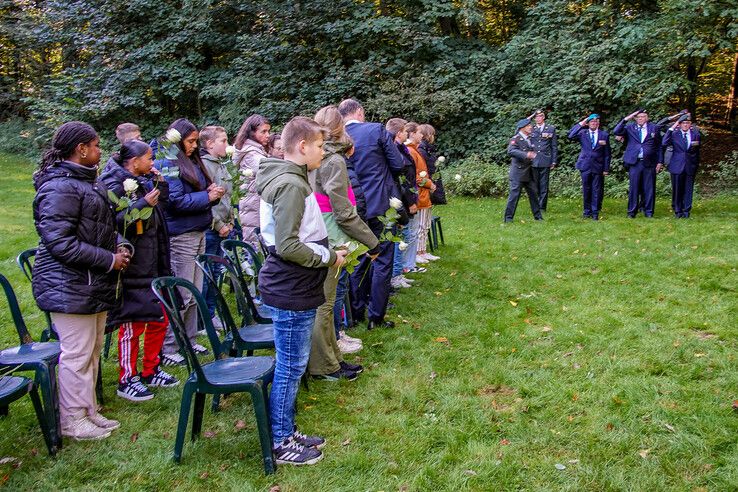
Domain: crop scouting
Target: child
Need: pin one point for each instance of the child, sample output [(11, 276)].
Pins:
[(213, 143), (140, 313), (333, 191), (251, 144), (427, 149), (291, 280), (425, 188), (275, 146), (191, 196), (75, 271), (125, 132)]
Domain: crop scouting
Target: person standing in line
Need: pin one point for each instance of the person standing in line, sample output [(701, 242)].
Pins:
[(685, 160), (251, 145), (545, 145), (593, 162)]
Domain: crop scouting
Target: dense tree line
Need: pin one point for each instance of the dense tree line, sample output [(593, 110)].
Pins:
[(470, 68)]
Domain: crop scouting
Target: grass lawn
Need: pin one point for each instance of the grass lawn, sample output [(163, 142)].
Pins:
[(607, 348)]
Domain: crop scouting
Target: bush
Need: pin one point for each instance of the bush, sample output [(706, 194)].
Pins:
[(21, 137), (724, 176)]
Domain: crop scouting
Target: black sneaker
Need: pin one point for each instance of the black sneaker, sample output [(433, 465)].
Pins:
[(291, 452), (134, 390), (160, 378), (339, 374), (316, 442), (358, 369)]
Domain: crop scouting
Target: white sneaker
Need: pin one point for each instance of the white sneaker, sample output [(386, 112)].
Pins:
[(342, 334), (407, 280), (217, 324), (347, 347), (199, 349), (84, 429), (102, 422), (421, 259), (172, 360), (431, 257), (398, 283)]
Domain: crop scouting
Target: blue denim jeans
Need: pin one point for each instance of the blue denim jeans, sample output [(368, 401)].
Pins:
[(212, 247), (410, 235), (292, 336), (339, 306), (398, 262)]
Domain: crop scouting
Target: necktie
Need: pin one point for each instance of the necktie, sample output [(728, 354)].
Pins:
[(592, 138), (684, 136), (643, 133)]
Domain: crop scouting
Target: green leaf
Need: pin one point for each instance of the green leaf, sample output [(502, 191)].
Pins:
[(113, 198), (146, 213)]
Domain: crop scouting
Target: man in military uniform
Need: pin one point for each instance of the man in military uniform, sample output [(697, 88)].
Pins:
[(593, 162), (521, 173), (686, 141), (643, 158), (546, 147)]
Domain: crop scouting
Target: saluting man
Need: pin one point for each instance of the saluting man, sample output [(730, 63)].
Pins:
[(521, 174), (593, 162), (686, 141), (643, 158), (546, 147)]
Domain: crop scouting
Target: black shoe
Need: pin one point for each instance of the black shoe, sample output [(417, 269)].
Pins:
[(595, 217), (339, 374), (586, 216), (316, 442), (380, 324), (539, 218), (291, 452), (631, 216), (357, 368), (390, 306), (508, 221)]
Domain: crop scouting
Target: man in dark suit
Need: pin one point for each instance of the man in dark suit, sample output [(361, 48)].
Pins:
[(523, 153), (374, 161), (593, 162), (545, 144), (686, 142), (643, 158)]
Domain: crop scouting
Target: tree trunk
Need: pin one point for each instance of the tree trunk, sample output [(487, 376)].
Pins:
[(732, 114), (692, 74)]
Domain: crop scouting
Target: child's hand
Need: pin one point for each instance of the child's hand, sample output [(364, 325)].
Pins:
[(215, 193), (340, 258), (122, 259)]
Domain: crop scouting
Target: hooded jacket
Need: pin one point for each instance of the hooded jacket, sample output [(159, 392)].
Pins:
[(76, 224), (249, 157), (151, 258), (292, 227), (335, 196), (218, 171)]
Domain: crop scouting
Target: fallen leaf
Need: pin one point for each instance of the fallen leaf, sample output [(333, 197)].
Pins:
[(471, 473), (404, 488), (669, 427), (615, 253), (275, 488), (134, 437), (564, 308), (441, 339), (346, 442), (526, 321), (644, 453), (676, 343), (699, 354), (559, 466), (34, 451), (559, 276), (240, 424), (568, 354), (208, 434), (735, 404), (576, 251), (8, 459), (433, 375), (452, 274), (513, 303), (609, 426), (308, 407), (504, 442), (438, 294), (570, 418), (573, 462), (574, 397), (167, 435), (204, 475), (546, 329), (223, 467)]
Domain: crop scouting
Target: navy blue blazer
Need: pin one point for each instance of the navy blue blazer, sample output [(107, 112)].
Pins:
[(595, 160), (375, 160), (652, 148), (684, 159)]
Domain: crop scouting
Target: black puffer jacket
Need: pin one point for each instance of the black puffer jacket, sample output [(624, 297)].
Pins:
[(76, 225), (151, 250)]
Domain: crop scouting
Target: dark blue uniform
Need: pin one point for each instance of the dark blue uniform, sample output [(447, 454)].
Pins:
[(593, 161), (545, 144), (643, 151), (683, 166), (521, 176)]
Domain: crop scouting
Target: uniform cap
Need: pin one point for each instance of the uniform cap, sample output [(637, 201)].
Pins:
[(522, 123)]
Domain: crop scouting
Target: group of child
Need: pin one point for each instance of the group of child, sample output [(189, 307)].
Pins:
[(94, 264)]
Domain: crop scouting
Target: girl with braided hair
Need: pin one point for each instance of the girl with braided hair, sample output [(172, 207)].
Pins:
[(74, 276)]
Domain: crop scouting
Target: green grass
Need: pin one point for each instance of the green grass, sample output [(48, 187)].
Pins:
[(528, 345)]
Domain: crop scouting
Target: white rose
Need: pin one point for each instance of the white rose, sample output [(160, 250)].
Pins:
[(173, 136), (395, 203), (457, 177), (403, 245), (230, 150), (423, 174), (130, 185), (441, 160), (247, 173)]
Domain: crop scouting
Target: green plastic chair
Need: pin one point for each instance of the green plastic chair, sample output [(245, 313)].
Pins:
[(40, 357), (247, 335), (238, 252), (224, 375), (436, 233), (14, 388), (25, 263)]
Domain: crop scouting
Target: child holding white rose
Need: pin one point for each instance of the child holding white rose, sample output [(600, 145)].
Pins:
[(425, 188), (214, 152), (140, 313), (251, 145)]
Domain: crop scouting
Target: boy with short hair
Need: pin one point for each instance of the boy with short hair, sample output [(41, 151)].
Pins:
[(291, 280), (125, 132)]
